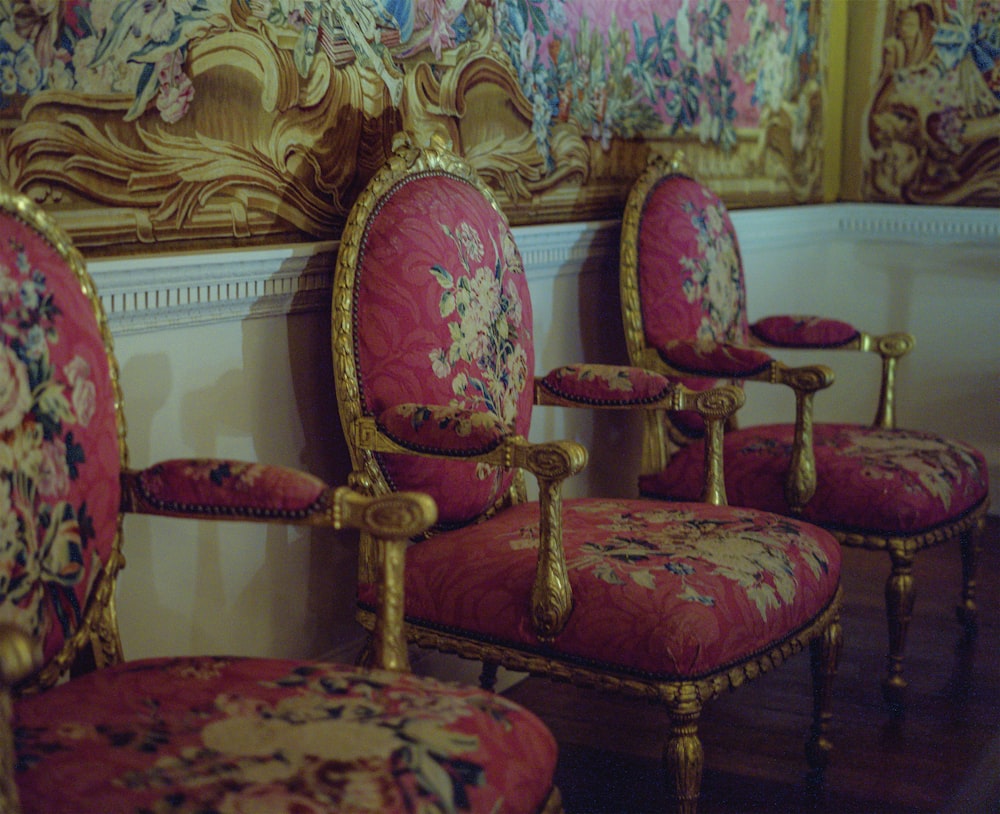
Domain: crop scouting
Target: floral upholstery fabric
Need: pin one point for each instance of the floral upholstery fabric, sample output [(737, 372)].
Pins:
[(606, 384), (804, 331), (868, 480), (270, 736), (664, 590), (59, 460), (690, 274), (230, 488), (443, 318), (444, 430)]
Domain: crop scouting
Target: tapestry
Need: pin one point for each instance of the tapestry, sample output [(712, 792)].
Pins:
[(931, 130), (159, 125)]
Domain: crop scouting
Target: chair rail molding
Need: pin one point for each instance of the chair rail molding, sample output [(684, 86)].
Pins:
[(153, 293)]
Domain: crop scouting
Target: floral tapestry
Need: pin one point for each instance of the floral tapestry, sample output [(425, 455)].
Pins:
[(155, 125)]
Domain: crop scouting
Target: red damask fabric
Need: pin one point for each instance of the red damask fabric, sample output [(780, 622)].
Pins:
[(230, 488), (444, 317), (868, 480), (245, 735), (665, 590), (59, 478)]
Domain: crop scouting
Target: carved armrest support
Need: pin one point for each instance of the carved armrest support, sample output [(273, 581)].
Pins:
[(551, 463), (805, 382), (716, 406), (390, 520), (551, 595), (891, 348)]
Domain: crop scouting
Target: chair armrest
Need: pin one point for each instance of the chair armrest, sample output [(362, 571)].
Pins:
[(722, 360), (214, 489), (221, 489), (821, 333), (609, 386), (808, 332), (629, 387), (551, 463)]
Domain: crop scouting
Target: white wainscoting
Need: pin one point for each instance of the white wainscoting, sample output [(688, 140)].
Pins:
[(228, 354)]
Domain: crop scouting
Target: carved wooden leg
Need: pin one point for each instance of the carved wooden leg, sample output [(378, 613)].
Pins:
[(824, 653), (969, 541), (899, 597), (488, 677), (683, 756)]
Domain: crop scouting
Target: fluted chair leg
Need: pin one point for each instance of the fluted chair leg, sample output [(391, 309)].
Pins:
[(899, 598), (970, 547), (683, 755), (824, 654)]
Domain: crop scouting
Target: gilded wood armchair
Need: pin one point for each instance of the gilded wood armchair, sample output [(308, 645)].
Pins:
[(434, 365), (81, 729), (874, 486)]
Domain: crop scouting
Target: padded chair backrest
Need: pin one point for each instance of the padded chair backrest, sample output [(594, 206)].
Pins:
[(687, 268), (62, 433), (436, 305)]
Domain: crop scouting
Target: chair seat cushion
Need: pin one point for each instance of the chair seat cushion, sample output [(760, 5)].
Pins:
[(869, 481), (660, 590), (275, 735)]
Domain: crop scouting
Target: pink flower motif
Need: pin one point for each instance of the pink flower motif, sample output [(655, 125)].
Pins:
[(176, 89), (15, 392), (53, 474), (84, 392), (84, 401), (76, 369)]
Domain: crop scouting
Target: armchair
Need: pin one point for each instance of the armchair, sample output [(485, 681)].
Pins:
[(83, 730), (876, 487), (434, 362)]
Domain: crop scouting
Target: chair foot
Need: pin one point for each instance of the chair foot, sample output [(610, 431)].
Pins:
[(968, 618), (894, 694), (966, 610)]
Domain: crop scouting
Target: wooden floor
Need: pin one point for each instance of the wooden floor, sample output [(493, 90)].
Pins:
[(943, 756)]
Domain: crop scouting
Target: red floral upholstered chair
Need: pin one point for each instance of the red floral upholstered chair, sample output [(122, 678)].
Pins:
[(434, 362), (877, 487), (94, 733)]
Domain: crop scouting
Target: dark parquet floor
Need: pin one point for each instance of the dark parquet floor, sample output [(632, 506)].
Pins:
[(942, 756)]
